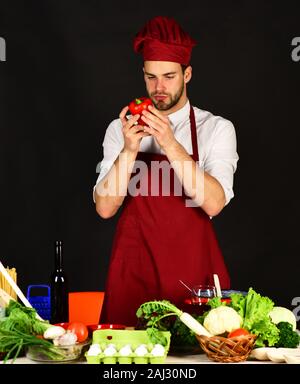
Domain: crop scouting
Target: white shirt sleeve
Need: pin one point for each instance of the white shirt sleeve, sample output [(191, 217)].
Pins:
[(222, 158), (112, 145)]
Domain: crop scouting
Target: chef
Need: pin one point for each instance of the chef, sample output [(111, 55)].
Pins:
[(162, 237)]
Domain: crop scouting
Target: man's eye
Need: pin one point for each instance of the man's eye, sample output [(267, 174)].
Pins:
[(150, 77), (170, 77)]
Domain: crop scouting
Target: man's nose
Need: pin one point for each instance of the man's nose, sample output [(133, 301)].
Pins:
[(160, 86)]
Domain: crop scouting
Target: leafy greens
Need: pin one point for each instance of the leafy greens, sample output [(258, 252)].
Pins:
[(19, 330), (255, 309)]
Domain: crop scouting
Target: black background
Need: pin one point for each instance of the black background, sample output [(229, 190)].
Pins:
[(69, 70)]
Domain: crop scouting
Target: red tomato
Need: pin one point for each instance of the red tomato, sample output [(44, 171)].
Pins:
[(137, 106), (80, 331), (238, 333)]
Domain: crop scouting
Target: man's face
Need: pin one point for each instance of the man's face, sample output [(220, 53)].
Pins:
[(164, 82)]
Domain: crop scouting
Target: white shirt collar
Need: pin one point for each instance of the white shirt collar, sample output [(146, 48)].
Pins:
[(180, 115)]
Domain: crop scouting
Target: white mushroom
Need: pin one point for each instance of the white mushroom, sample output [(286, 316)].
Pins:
[(53, 332)]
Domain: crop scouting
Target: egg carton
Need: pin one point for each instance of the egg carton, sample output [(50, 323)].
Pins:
[(131, 359), (121, 338)]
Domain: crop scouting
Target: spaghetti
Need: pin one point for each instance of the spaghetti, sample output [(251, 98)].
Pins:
[(5, 285)]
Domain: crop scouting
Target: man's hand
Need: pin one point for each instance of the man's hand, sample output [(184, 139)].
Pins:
[(159, 126), (133, 134)]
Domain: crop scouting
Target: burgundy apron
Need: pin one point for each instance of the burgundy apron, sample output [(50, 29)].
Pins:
[(158, 242)]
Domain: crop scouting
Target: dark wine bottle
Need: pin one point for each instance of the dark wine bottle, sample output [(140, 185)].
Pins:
[(59, 289)]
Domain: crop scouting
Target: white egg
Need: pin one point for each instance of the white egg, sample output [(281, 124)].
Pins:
[(125, 350), (141, 350), (110, 351), (158, 350)]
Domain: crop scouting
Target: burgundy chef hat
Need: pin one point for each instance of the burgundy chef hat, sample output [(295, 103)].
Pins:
[(162, 39)]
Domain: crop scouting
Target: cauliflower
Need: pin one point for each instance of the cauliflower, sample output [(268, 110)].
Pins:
[(222, 319), (279, 314)]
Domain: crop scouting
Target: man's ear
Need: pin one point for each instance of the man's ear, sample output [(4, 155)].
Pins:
[(187, 74)]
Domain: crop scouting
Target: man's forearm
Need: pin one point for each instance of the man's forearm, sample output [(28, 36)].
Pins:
[(204, 189), (111, 191)]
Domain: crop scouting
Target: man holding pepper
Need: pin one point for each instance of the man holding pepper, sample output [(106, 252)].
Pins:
[(163, 238)]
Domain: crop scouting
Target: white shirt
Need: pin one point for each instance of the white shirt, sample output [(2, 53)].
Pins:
[(216, 145)]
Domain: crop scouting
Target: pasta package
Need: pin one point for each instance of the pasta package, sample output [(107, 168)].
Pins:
[(4, 285)]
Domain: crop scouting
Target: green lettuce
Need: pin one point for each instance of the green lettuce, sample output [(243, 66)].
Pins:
[(255, 310)]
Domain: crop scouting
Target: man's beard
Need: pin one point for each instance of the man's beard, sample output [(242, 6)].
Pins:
[(162, 105)]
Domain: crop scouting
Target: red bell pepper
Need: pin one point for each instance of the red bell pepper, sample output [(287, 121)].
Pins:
[(137, 106)]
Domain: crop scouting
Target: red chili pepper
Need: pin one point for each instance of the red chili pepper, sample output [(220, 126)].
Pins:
[(137, 106)]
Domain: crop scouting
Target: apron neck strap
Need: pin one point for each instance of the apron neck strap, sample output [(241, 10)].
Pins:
[(194, 134)]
